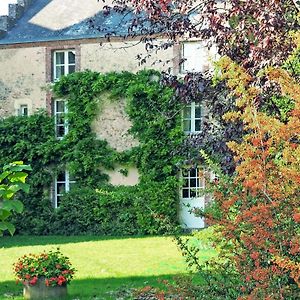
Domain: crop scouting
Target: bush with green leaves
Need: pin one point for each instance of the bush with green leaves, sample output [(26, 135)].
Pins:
[(12, 181)]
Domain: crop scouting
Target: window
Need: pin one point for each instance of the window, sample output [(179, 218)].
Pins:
[(192, 183), (195, 57), (63, 63), (61, 124), (192, 115), (23, 110), (63, 183)]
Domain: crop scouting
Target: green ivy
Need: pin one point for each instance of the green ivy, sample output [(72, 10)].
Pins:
[(95, 206)]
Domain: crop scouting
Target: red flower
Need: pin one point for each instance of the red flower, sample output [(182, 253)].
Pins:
[(57, 266), (27, 276), (47, 282), (33, 281), (61, 279)]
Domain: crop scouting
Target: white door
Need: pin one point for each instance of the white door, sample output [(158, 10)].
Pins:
[(191, 199)]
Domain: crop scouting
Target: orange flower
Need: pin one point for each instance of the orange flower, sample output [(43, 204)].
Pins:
[(296, 217)]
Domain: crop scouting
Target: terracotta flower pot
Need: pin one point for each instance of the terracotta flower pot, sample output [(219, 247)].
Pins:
[(41, 291)]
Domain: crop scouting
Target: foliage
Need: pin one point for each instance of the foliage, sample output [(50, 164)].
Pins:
[(52, 267), (252, 33), (258, 207), (12, 181), (154, 111)]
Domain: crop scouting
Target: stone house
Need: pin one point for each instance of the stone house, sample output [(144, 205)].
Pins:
[(41, 40)]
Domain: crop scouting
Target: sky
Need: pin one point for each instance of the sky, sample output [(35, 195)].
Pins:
[(4, 6)]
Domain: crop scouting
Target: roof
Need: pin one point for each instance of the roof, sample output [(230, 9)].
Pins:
[(54, 20)]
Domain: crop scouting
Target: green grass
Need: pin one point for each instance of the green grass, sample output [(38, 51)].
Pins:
[(103, 264)]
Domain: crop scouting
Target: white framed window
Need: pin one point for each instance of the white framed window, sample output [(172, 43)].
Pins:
[(61, 122), (63, 63), (62, 184), (192, 183), (192, 118), (23, 110), (195, 56)]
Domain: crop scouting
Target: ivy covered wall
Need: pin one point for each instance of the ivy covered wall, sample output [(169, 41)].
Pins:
[(94, 206)]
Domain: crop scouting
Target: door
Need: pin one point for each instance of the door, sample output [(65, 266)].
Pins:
[(191, 199)]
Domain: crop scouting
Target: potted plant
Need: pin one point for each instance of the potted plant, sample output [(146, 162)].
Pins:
[(44, 275)]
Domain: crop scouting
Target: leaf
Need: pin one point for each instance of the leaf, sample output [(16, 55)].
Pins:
[(4, 175), (18, 206), (24, 187), (4, 214), (10, 227), (18, 177), (15, 205), (3, 226), (6, 194), (7, 226)]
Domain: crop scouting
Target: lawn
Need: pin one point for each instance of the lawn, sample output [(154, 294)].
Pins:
[(104, 265)]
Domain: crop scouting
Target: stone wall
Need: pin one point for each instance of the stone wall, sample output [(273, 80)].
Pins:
[(22, 79)]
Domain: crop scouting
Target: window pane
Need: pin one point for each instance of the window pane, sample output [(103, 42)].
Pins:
[(186, 183), (60, 119), (185, 193), (187, 125), (61, 188), (60, 106), (187, 112), (60, 71), (61, 176), (197, 112), (71, 69), (71, 56), (60, 131), (193, 183), (193, 172), (192, 193), (25, 111), (60, 58), (196, 56), (197, 125)]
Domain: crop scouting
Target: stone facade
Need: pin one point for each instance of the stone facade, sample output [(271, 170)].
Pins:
[(22, 79), (26, 66), (26, 76)]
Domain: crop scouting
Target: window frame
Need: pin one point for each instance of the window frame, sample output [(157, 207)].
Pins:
[(182, 69), (192, 189), (192, 119), (21, 110), (66, 63), (66, 182), (64, 113)]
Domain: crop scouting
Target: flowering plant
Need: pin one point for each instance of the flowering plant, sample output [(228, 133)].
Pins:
[(52, 267)]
